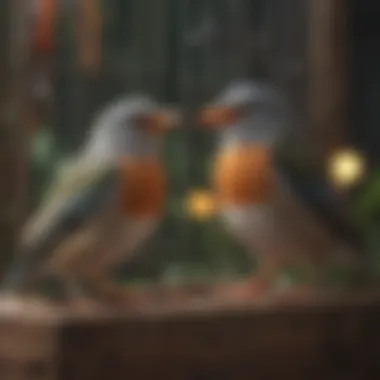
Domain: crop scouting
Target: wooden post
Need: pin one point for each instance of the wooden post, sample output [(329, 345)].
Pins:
[(328, 63), (13, 133), (309, 59), (287, 26)]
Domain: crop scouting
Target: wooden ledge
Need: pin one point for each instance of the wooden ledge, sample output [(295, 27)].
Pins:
[(327, 337)]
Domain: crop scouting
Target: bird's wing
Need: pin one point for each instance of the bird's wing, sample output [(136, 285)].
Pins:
[(79, 195)]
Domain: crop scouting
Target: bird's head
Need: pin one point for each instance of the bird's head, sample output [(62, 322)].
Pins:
[(249, 111), (132, 126)]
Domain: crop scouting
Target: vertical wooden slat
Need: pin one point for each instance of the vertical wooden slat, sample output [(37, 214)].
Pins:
[(142, 16), (327, 73), (20, 62), (13, 136), (287, 24), (90, 35), (241, 39), (309, 51), (6, 156), (89, 65), (158, 45)]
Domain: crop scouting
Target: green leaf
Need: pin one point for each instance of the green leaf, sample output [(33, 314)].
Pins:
[(43, 147), (368, 202)]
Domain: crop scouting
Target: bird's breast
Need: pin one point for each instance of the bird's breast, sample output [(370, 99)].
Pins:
[(143, 187), (243, 175)]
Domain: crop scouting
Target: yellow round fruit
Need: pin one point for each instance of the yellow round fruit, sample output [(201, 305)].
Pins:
[(200, 204)]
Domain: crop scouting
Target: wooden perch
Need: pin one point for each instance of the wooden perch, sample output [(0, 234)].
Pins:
[(325, 338)]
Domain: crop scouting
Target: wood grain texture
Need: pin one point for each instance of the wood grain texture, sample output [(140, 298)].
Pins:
[(89, 32), (14, 39), (328, 63), (324, 338)]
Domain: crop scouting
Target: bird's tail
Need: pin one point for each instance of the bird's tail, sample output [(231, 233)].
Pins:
[(31, 255)]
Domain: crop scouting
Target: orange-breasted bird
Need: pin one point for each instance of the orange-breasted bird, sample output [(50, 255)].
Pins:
[(279, 217), (103, 207)]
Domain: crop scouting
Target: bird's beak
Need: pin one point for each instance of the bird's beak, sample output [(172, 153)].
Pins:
[(215, 117), (163, 120)]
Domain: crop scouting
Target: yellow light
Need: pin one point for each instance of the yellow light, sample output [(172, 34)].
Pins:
[(200, 204), (346, 168)]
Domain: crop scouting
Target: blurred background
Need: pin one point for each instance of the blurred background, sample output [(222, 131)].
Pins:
[(84, 53)]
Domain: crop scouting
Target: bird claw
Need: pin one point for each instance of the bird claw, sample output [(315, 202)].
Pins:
[(116, 295), (11, 303), (243, 291), (259, 288), (83, 304), (300, 292)]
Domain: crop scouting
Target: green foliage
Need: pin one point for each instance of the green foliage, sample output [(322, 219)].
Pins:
[(366, 211), (367, 204), (43, 161)]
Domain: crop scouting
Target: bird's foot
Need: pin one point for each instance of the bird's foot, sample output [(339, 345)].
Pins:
[(116, 295), (299, 292), (22, 303), (76, 296), (85, 305), (258, 287), (244, 291)]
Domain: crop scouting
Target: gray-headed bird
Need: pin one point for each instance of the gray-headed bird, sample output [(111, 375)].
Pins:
[(274, 214), (105, 204)]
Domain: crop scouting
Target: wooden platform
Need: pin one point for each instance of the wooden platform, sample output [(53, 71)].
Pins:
[(335, 337)]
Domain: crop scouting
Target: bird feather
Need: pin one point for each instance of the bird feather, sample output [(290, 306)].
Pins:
[(79, 194)]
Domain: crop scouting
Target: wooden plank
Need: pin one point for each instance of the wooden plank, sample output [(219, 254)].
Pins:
[(325, 337)]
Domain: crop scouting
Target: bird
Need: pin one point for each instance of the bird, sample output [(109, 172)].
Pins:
[(279, 216), (102, 206)]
